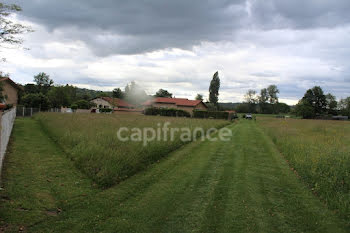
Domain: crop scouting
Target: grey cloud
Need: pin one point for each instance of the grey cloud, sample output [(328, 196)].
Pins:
[(131, 27), (300, 13)]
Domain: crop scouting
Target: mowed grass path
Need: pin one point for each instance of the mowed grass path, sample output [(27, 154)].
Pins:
[(242, 185)]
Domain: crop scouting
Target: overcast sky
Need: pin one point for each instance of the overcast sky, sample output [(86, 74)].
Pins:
[(178, 45)]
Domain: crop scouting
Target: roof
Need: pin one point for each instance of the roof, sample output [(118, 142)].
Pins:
[(11, 82), (176, 101), (117, 102)]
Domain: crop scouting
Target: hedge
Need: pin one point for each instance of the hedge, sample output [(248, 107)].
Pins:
[(210, 114), (105, 110), (167, 112)]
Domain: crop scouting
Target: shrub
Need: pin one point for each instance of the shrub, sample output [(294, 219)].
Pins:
[(200, 114), (74, 106), (167, 112), (36, 101), (210, 114), (151, 111), (8, 106), (105, 110)]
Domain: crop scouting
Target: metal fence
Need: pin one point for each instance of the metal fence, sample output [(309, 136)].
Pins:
[(28, 112)]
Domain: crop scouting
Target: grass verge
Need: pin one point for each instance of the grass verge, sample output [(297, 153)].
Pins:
[(319, 151)]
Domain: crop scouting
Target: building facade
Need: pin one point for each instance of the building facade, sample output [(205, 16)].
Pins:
[(10, 91), (177, 103), (109, 102)]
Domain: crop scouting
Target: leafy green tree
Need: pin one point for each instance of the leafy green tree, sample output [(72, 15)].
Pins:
[(250, 97), (331, 104), (316, 98), (312, 104), (214, 89), (9, 30), (282, 108), (250, 100), (163, 93), (344, 106), (2, 96), (199, 97), (61, 96), (85, 96), (305, 109), (211, 107), (43, 82), (264, 96), (102, 94), (37, 100), (118, 93), (264, 107), (31, 88), (83, 104), (273, 91), (245, 108)]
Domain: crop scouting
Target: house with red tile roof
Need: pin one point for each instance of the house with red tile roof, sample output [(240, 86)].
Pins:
[(177, 103), (10, 90), (113, 103)]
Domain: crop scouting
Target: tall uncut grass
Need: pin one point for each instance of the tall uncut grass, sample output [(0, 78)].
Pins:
[(91, 142), (320, 152)]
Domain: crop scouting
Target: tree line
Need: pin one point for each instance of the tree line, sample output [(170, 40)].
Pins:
[(43, 94), (266, 102), (316, 104)]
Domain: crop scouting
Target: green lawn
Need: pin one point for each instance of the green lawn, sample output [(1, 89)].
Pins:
[(243, 185)]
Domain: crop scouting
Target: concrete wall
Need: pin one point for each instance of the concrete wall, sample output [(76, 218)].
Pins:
[(102, 102), (7, 120), (10, 92)]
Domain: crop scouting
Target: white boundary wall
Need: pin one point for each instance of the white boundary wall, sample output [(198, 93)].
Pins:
[(7, 120)]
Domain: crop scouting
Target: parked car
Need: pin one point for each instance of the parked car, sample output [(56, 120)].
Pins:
[(249, 116)]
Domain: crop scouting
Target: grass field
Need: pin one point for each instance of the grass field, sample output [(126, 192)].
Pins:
[(92, 142), (241, 185), (319, 151)]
